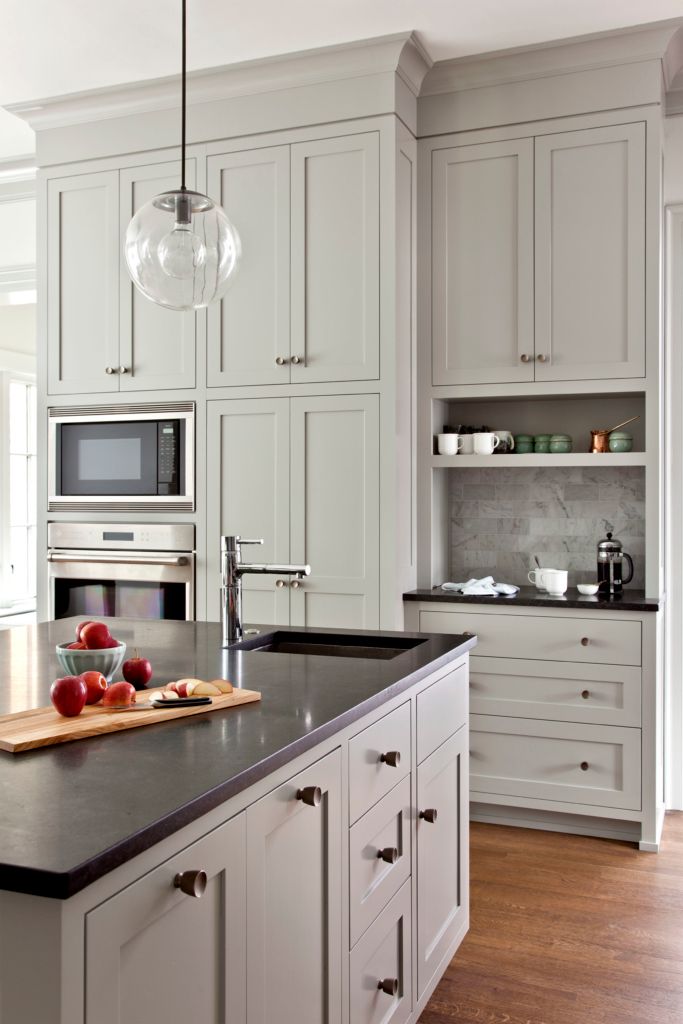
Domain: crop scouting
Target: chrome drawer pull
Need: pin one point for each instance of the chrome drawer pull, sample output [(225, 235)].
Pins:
[(429, 815), (192, 883), (280, 360), (311, 795), (392, 758), (388, 854), (525, 358), (388, 985)]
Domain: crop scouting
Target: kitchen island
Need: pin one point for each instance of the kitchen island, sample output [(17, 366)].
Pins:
[(311, 815)]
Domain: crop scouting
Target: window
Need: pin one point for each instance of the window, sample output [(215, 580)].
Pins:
[(19, 504)]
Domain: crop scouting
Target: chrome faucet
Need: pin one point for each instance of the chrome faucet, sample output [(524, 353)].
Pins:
[(232, 571)]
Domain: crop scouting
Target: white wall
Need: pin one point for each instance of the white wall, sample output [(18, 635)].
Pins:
[(18, 338)]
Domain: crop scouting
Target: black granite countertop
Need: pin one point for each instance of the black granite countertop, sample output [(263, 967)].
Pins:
[(71, 813), (530, 597)]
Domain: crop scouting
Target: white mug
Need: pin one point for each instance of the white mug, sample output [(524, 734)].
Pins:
[(448, 444), (536, 576), (555, 581), (506, 439), (485, 444), (467, 444)]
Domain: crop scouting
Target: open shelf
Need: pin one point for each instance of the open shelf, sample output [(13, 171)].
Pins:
[(572, 459)]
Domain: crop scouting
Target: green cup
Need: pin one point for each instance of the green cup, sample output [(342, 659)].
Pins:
[(542, 443), (524, 444), (560, 444), (620, 441)]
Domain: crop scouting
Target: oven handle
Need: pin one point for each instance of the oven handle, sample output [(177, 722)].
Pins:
[(54, 556)]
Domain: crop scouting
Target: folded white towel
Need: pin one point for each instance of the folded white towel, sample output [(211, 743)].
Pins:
[(485, 587)]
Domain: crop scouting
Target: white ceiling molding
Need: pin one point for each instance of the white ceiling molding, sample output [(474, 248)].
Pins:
[(17, 279), (401, 53)]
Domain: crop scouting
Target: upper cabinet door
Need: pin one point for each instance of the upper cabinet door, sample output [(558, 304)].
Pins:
[(83, 277), (590, 254), (335, 259), (482, 263), (248, 331), (157, 345), (335, 511)]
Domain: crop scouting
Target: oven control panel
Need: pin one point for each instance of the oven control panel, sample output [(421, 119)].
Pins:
[(122, 536)]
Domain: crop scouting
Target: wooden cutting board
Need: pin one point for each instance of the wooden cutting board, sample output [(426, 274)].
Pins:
[(43, 727)]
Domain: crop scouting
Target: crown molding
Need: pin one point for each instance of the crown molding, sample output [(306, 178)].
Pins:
[(18, 279), (402, 54), (17, 178), (582, 53)]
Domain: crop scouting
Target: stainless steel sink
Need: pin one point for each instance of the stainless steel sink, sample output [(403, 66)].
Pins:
[(331, 645)]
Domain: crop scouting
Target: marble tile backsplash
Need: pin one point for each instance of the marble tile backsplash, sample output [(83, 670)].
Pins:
[(501, 517)]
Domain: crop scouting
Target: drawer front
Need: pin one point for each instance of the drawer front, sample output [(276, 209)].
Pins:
[(373, 879), (382, 956), (441, 710), (556, 761), (594, 640), (371, 771), (563, 692)]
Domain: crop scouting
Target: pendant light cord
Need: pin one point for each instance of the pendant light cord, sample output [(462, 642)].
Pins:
[(183, 103)]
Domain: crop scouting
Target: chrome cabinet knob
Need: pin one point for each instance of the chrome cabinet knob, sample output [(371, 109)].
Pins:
[(296, 584), (389, 854), (525, 357), (109, 370), (296, 360), (392, 758), (429, 815), (542, 358), (388, 985), (585, 694), (585, 641), (192, 883), (280, 584), (123, 369), (280, 360), (310, 795), (584, 766)]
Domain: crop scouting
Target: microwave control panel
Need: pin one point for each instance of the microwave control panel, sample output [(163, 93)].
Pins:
[(169, 455)]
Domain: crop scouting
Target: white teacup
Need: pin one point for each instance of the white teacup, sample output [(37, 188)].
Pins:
[(536, 576), (485, 444), (448, 444), (555, 581), (467, 444)]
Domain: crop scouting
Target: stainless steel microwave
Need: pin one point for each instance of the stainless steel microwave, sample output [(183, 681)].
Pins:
[(122, 458)]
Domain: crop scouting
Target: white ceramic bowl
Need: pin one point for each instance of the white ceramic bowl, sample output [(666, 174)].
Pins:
[(587, 589), (107, 661)]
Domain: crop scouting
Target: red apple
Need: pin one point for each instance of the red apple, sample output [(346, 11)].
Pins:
[(78, 646), (137, 671), (95, 684), (118, 695), (95, 636), (68, 695), (112, 642), (80, 626)]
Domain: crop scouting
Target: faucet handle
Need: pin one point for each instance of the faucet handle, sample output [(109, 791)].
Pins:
[(240, 542)]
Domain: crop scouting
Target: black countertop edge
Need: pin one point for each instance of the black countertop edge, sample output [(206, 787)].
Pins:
[(62, 885), (530, 597)]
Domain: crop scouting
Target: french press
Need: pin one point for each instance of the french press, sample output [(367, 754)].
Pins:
[(611, 557)]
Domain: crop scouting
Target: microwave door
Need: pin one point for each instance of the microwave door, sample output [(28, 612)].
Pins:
[(108, 459)]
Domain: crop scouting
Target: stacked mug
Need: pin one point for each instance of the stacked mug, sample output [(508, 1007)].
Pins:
[(554, 581)]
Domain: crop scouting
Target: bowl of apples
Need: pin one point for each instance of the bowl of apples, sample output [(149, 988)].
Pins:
[(93, 650)]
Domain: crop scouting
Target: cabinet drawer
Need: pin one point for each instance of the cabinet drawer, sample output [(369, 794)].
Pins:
[(382, 957), (598, 639), (441, 710), (373, 879), (556, 761), (371, 771), (565, 692)]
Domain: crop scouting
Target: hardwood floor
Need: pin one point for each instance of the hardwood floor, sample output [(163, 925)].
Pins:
[(568, 930)]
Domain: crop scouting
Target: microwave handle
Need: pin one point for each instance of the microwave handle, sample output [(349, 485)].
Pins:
[(57, 556)]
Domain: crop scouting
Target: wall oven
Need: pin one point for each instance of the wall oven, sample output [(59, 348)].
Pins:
[(129, 458), (141, 571)]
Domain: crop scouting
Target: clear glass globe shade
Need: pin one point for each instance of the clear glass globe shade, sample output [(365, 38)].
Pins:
[(181, 250)]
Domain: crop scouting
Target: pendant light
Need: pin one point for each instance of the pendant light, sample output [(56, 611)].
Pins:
[(181, 250)]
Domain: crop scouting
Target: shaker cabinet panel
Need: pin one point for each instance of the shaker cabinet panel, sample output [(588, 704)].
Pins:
[(482, 263), (83, 276), (590, 254), (248, 331), (157, 345), (294, 952), (248, 495), (154, 953), (335, 259), (335, 510)]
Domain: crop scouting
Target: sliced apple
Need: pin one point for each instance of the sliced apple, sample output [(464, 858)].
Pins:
[(223, 685), (167, 695), (198, 688)]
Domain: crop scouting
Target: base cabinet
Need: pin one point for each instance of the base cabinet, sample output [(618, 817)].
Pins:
[(155, 953), (381, 991)]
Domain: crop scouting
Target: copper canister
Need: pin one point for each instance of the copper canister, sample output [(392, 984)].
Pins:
[(599, 441)]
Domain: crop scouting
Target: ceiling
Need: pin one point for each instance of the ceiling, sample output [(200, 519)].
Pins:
[(48, 48)]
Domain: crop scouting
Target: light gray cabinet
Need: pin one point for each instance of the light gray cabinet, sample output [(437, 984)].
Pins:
[(156, 345), (538, 258), (83, 275), (483, 263), (303, 474), (154, 953), (248, 331), (294, 857), (442, 852), (304, 307), (381, 990)]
